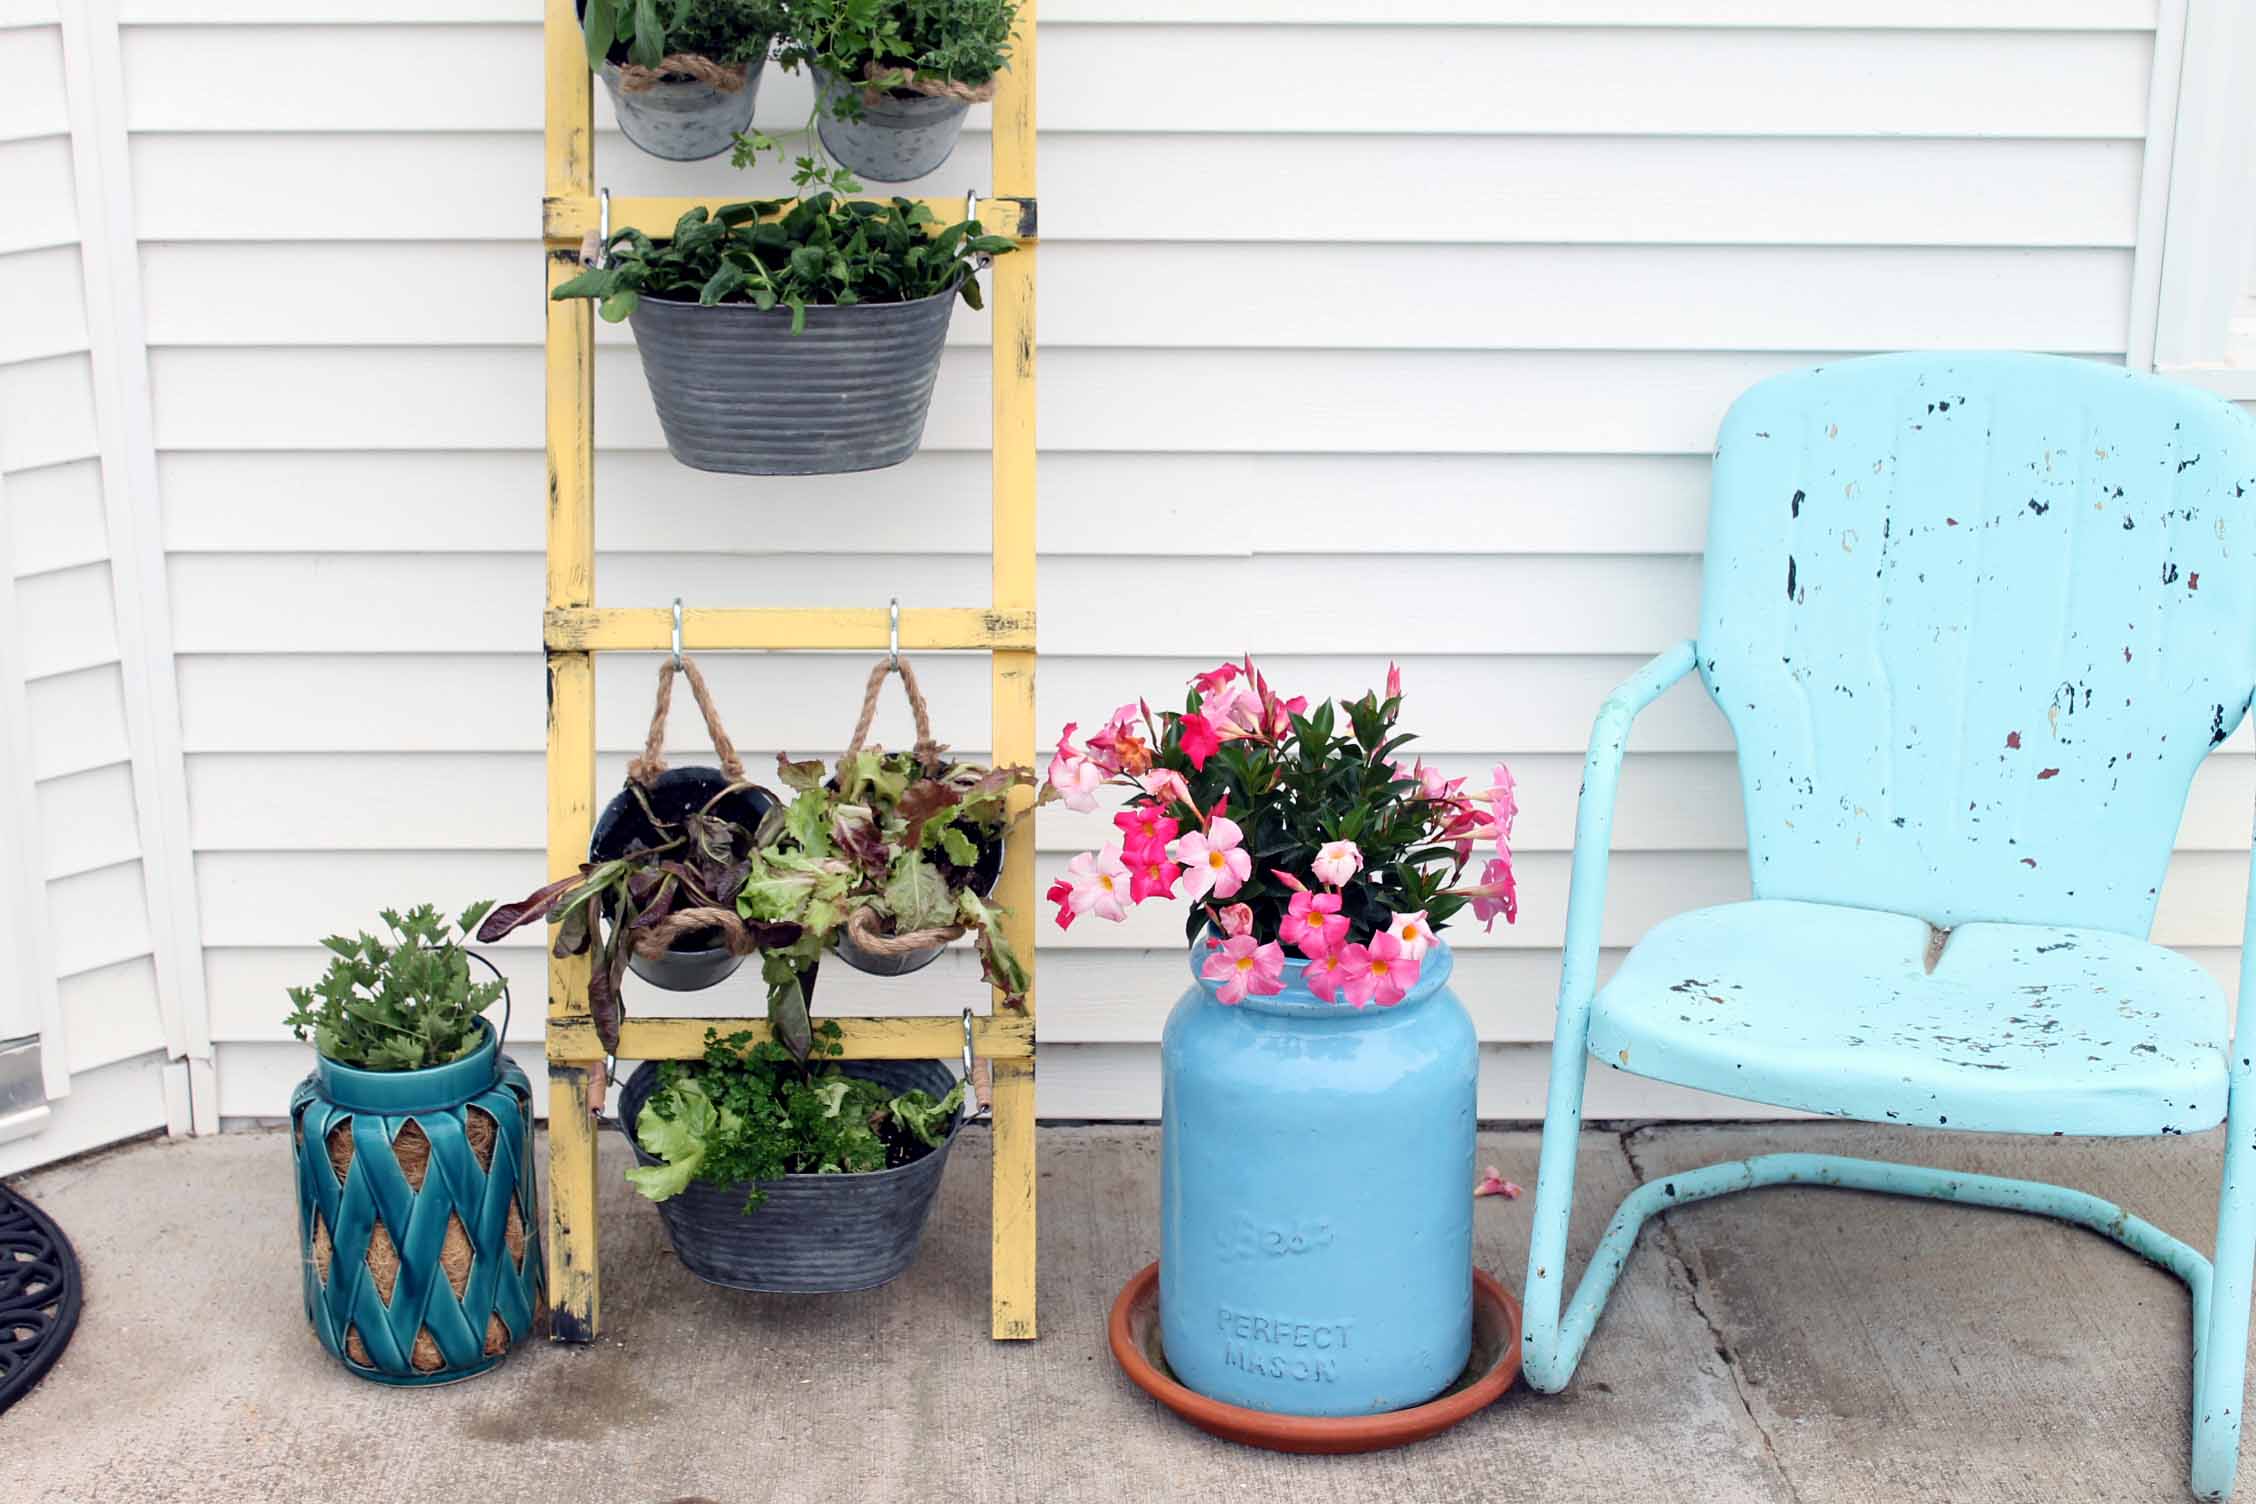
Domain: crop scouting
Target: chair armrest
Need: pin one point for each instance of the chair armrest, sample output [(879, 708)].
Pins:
[(1594, 827)]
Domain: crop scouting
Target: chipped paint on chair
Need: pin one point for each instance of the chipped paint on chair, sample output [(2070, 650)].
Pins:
[(1974, 620)]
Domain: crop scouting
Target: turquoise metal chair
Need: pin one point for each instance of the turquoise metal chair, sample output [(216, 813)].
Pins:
[(1974, 620)]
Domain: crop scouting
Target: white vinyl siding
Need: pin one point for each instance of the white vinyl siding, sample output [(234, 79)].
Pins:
[(1346, 355), (75, 869)]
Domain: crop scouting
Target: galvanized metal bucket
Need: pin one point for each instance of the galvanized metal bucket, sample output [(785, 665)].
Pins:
[(896, 139), (815, 1234), (684, 119), (738, 392)]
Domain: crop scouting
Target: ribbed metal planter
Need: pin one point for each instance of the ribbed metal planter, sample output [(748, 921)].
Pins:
[(815, 1234), (418, 1230), (738, 392), (683, 119), (896, 139)]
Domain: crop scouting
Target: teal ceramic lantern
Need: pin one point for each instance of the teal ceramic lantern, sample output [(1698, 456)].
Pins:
[(1316, 1195), (418, 1228)]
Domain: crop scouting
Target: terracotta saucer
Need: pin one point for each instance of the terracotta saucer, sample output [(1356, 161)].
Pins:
[(1134, 1332)]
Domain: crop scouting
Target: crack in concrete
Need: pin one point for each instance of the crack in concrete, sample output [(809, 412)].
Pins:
[(1680, 1269)]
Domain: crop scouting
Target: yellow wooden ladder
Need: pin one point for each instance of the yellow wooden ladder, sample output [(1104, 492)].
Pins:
[(575, 628)]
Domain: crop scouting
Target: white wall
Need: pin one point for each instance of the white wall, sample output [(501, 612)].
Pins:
[(1432, 314), (76, 773)]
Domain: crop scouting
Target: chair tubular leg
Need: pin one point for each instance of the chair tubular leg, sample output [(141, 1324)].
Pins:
[(1553, 1343)]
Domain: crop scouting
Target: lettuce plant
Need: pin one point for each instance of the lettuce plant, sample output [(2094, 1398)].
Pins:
[(898, 833), (750, 1112)]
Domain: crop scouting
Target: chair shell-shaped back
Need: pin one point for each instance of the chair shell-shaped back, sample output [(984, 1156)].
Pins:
[(1975, 620)]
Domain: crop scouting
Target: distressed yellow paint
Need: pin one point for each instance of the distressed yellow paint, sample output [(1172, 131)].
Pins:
[(614, 629), (566, 217), (1007, 1037), (574, 628), (1011, 297)]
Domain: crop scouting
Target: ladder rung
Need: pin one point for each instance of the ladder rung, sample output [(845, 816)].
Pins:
[(566, 217), (650, 629), (1008, 1036)]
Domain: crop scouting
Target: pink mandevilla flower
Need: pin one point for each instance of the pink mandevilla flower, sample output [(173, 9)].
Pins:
[(1493, 1183), (1337, 863), (1327, 973), (1414, 934), (1144, 825), (1496, 894), (1503, 802), (1314, 923), (1381, 973), (1165, 786), (1073, 775), (1100, 883), (1117, 748), (1214, 860), (1234, 919), (1151, 874), (1199, 740), (1061, 894), (1245, 968)]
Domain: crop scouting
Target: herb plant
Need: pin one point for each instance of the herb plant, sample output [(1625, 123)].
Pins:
[(397, 1004), (1286, 825), (822, 249), (647, 31), (750, 1112), (886, 42), (898, 833)]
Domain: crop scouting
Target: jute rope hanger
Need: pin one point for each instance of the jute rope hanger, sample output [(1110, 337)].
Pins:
[(863, 924), (656, 939)]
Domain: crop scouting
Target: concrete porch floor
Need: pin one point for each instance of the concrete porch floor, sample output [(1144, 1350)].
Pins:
[(1792, 1345)]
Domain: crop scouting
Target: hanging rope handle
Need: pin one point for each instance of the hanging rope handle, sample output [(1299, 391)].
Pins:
[(863, 924), (926, 748), (646, 768)]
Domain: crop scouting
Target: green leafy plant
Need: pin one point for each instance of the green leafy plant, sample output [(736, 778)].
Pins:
[(646, 31), (901, 834), (699, 861), (884, 42), (750, 1112), (397, 1004), (822, 249)]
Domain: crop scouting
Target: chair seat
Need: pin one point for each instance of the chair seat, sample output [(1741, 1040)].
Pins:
[(2017, 1028)]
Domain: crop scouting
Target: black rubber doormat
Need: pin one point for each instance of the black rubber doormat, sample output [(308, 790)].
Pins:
[(38, 1295)]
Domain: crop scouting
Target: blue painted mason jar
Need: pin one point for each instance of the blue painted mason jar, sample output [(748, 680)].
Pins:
[(1316, 1195)]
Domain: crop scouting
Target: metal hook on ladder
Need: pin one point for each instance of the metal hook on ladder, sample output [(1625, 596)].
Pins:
[(893, 632), (677, 634), (973, 1107)]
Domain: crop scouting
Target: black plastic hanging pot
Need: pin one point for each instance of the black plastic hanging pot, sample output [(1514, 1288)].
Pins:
[(738, 392), (699, 958), (861, 942), (814, 1234)]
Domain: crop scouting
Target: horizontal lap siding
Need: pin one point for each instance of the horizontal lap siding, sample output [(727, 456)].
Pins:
[(85, 848), (1386, 368)]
